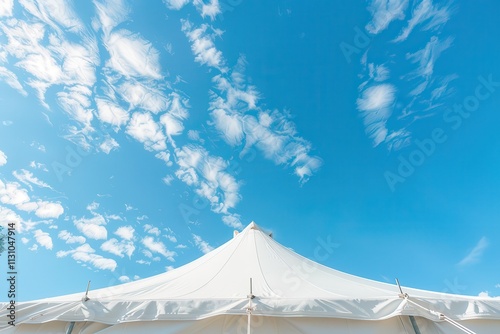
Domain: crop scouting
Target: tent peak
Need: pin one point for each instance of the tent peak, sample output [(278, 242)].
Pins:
[(252, 226)]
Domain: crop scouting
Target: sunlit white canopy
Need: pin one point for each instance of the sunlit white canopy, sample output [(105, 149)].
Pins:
[(287, 294)]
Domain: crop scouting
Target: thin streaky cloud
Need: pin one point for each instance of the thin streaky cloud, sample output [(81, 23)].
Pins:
[(426, 12), (111, 13), (11, 79), (202, 245), (475, 254), (54, 13)]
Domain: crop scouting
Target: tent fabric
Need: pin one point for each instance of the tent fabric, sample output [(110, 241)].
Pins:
[(287, 288)]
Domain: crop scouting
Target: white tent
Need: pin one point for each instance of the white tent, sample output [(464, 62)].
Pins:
[(253, 284)]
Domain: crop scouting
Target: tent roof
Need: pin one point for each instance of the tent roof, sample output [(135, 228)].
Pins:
[(283, 283)]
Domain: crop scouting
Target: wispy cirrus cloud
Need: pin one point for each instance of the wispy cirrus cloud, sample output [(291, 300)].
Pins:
[(209, 177), (475, 253), (238, 117), (55, 13), (11, 79), (29, 179), (426, 59), (427, 13), (110, 14), (202, 245), (411, 95), (158, 247), (384, 12)]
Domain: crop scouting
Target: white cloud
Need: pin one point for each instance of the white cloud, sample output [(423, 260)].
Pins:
[(158, 247), (202, 244), (384, 12), (110, 112), (33, 248), (86, 254), (144, 129), (142, 96), (119, 248), (92, 227), (7, 216), (378, 72), (54, 13), (108, 145), (70, 238), (238, 117), (12, 193), (43, 239), (124, 279), (202, 45), (25, 240), (132, 56), (176, 4), (425, 11), (171, 238), (483, 294), (11, 79), (194, 135), (152, 230), (233, 221), (93, 206), (111, 13), (426, 59), (38, 165), (168, 179), (125, 232), (209, 177), (476, 253), (165, 156), (28, 178), (210, 9), (3, 158), (49, 209), (6, 7), (181, 246), (375, 105)]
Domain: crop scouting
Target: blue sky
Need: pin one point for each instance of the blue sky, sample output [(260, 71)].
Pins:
[(136, 136)]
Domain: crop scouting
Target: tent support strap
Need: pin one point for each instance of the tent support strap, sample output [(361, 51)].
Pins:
[(70, 328), (250, 309), (440, 315), (445, 318), (414, 324)]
